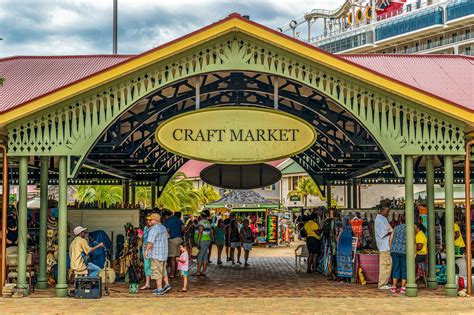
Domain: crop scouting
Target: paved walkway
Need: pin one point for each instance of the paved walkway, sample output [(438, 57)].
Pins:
[(269, 285), (238, 305)]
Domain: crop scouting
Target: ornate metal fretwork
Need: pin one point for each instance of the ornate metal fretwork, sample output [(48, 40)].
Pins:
[(398, 126)]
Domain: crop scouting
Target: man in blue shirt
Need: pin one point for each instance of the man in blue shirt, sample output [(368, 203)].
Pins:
[(174, 225), (383, 230), (157, 251)]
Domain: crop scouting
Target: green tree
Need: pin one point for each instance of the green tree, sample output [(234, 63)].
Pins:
[(304, 188), (143, 196), (179, 195), (207, 194), (108, 194)]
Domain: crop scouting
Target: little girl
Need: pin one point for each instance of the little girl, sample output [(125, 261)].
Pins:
[(183, 265)]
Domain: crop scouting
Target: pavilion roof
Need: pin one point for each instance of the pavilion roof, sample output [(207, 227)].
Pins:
[(241, 199), (449, 77), (41, 81)]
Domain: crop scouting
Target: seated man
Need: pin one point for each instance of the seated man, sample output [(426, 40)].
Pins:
[(79, 249)]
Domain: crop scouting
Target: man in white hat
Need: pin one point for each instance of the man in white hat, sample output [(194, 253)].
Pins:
[(78, 251)]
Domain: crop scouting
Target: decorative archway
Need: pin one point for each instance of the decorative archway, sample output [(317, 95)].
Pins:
[(400, 126), (73, 121)]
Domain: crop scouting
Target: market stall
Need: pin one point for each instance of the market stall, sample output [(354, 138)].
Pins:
[(253, 206)]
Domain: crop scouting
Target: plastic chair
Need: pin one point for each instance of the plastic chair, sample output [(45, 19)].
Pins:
[(300, 251), (422, 271)]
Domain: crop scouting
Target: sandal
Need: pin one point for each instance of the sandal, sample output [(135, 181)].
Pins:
[(181, 290), (196, 274), (145, 288)]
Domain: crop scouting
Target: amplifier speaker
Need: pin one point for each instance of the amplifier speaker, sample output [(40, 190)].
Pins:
[(87, 288)]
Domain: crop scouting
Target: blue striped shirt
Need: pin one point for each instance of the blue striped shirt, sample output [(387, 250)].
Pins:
[(158, 237)]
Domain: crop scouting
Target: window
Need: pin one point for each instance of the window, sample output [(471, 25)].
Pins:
[(271, 187), (293, 182), (344, 43), (409, 23), (459, 9)]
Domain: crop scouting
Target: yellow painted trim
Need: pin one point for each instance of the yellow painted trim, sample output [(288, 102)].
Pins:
[(247, 109), (116, 72), (236, 24)]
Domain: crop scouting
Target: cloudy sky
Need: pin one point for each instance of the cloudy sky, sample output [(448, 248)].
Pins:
[(56, 27)]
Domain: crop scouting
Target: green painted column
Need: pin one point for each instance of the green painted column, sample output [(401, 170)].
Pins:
[(349, 195), (133, 195), (22, 224), (61, 285), (451, 287), (126, 193), (432, 282), (153, 195), (328, 195), (42, 277), (411, 287)]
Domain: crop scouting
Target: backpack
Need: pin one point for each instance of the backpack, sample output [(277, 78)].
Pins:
[(303, 232)]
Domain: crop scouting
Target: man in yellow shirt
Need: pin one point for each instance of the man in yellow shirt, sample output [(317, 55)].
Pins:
[(313, 241), (78, 251), (421, 244), (458, 240)]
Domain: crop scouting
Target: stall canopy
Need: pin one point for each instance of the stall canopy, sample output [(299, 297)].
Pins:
[(243, 200)]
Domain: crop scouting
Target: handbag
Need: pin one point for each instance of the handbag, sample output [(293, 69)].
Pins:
[(110, 273)]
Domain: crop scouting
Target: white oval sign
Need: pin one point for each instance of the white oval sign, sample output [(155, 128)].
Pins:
[(236, 135)]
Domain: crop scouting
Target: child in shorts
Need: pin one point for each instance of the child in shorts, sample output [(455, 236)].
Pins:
[(183, 265)]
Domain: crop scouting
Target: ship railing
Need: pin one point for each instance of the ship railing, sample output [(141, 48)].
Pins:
[(437, 43), (380, 17)]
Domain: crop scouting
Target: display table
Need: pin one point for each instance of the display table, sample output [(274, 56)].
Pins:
[(370, 266)]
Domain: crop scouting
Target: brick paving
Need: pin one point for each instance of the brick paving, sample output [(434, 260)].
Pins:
[(269, 285)]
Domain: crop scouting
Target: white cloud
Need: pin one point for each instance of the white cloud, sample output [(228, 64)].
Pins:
[(85, 26)]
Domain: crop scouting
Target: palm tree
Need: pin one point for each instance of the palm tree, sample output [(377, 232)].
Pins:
[(103, 194), (143, 196), (179, 194), (207, 194), (304, 188)]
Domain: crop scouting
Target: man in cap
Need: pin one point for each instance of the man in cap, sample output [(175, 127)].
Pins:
[(157, 251), (79, 249)]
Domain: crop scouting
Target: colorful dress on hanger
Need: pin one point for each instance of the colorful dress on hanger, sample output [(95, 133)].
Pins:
[(357, 230), (344, 253)]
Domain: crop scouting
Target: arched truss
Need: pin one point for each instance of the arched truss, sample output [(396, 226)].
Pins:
[(342, 149), (397, 125)]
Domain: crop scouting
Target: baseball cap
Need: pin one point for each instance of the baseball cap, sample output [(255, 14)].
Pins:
[(79, 229), (154, 216)]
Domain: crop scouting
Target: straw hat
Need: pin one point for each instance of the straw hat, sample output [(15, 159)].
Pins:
[(154, 216)]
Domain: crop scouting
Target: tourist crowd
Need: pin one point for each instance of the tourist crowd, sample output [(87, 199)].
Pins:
[(331, 243), (169, 244)]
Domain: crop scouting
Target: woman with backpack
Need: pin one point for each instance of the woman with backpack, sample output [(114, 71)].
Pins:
[(235, 241), (246, 235)]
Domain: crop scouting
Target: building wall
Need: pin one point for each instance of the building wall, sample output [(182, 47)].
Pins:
[(372, 194)]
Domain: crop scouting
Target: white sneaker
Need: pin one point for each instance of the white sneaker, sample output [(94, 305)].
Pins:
[(385, 287)]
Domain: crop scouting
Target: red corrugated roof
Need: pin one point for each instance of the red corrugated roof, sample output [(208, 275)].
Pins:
[(447, 76), (27, 78)]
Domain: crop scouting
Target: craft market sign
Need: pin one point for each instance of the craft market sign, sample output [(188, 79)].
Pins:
[(235, 135)]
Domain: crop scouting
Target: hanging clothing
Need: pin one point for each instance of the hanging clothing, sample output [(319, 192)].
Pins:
[(357, 230), (344, 253), (146, 261)]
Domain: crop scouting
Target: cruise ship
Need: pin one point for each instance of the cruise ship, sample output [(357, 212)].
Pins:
[(389, 27)]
